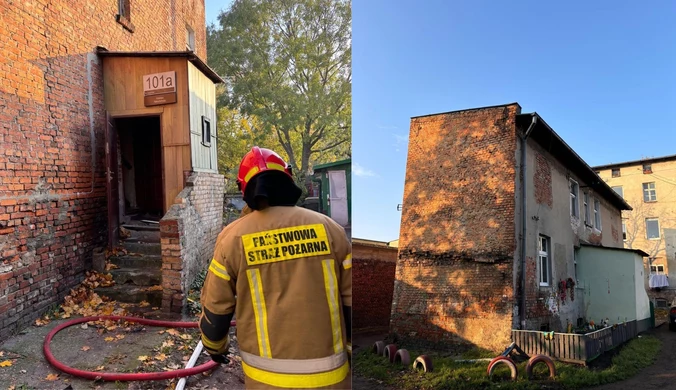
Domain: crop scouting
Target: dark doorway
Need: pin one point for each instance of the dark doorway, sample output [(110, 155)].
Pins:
[(140, 162)]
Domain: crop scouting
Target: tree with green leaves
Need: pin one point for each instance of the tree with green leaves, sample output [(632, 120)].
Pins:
[(287, 66)]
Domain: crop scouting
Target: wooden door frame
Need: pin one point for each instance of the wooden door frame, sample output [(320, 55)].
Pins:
[(146, 112)]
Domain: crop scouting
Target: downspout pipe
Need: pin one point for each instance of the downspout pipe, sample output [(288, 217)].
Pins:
[(522, 271)]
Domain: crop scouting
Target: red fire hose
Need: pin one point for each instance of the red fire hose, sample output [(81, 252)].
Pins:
[(109, 376)]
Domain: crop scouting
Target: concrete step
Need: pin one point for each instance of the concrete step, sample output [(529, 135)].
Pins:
[(143, 248), (148, 236), (137, 276), (146, 261), (131, 294), (142, 226)]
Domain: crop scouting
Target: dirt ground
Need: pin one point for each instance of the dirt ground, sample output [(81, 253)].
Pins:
[(121, 349), (661, 375)]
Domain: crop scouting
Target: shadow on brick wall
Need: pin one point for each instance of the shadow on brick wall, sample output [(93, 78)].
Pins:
[(454, 278), (52, 184)]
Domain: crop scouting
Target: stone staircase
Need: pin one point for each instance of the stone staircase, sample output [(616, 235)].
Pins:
[(139, 276)]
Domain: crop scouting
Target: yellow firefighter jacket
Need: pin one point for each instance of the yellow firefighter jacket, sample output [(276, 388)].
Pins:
[(286, 273)]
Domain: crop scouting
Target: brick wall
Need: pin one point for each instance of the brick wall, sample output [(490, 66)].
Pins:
[(542, 181), (188, 233), (52, 117), (373, 281), (454, 274)]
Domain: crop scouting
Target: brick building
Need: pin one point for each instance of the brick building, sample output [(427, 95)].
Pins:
[(65, 67), (373, 263), (467, 249), (649, 185)]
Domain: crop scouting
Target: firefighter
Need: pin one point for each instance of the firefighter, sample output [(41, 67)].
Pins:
[(284, 272)]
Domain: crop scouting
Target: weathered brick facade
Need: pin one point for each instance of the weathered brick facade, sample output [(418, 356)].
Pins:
[(458, 277), (188, 233), (454, 281), (373, 267), (52, 118)]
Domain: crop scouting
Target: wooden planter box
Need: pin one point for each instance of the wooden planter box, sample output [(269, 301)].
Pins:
[(574, 348)]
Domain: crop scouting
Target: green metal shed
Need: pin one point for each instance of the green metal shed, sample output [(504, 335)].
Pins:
[(335, 197)]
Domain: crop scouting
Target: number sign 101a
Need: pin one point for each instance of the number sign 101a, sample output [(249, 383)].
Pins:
[(158, 83)]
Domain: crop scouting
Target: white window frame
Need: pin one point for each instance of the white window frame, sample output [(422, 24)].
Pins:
[(612, 172), (544, 256), (657, 269), (574, 198), (597, 214), (189, 38), (575, 263), (652, 192), (624, 231), (587, 214), (659, 234)]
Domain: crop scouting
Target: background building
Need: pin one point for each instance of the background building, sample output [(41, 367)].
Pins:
[(649, 186)]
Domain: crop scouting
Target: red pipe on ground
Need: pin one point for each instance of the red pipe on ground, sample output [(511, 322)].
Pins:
[(124, 377)]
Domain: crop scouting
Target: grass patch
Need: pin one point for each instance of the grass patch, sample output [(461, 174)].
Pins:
[(448, 374)]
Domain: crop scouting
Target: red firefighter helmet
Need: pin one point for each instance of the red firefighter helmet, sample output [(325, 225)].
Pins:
[(260, 160)]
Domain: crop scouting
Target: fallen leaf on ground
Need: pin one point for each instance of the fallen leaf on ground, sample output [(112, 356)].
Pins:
[(52, 377), (23, 371), (156, 308), (167, 344), (2, 353), (110, 266), (6, 363), (161, 357), (119, 336), (144, 304), (161, 332), (173, 366), (41, 322), (12, 387), (109, 339), (186, 336), (143, 358), (173, 332), (84, 326), (86, 348), (186, 358), (99, 368)]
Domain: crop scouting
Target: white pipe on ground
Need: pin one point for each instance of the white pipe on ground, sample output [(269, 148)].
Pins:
[(191, 364)]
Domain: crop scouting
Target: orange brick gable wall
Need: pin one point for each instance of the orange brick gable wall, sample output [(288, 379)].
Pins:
[(454, 278), (52, 118)]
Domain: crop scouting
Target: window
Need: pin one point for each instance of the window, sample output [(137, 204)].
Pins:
[(189, 38), (124, 8), (543, 259), (649, 192), (647, 168), (652, 228), (587, 216), (616, 172), (574, 203), (575, 262), (206, 131), (657, 269), (661, 303), (624, 231), (124, 14), (618, 190), (597, 214)]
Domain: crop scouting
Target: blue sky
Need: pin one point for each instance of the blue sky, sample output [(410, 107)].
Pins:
[(602, 74), (213, 8)]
